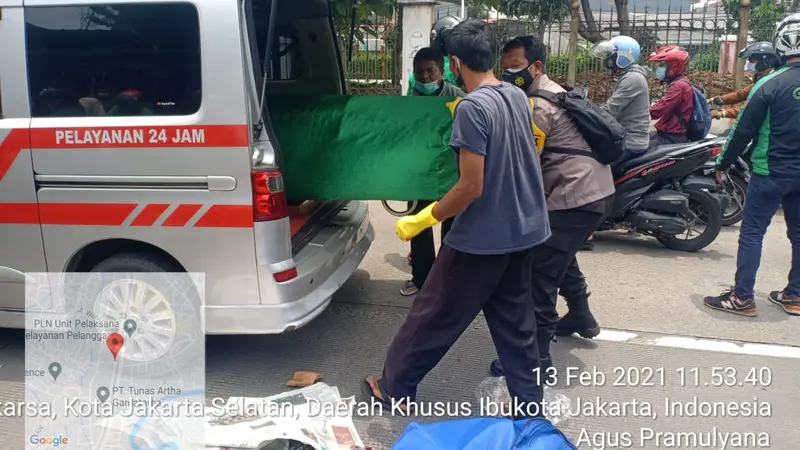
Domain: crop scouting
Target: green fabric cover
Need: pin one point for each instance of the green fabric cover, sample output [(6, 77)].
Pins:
[(365, 147)]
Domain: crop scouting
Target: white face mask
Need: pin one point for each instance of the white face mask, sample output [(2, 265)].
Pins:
[(750, 67)]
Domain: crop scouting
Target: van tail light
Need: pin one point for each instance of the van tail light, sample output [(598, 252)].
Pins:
[(716, 151), (286, 275), (269, 198)]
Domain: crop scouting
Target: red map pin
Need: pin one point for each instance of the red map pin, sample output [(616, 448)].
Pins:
[(114, 342)]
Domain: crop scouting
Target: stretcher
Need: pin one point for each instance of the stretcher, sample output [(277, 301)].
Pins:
[(365, 147)]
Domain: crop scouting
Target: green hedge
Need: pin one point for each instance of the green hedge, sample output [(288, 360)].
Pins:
[(369, 65), (707, 59), (378, 65)]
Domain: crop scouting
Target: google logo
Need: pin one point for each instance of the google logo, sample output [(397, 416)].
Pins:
[(54, 441)]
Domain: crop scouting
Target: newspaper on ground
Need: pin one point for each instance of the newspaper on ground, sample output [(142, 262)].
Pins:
[(312, 418)]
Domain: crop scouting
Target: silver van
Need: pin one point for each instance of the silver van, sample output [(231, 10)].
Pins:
[(134, 137)]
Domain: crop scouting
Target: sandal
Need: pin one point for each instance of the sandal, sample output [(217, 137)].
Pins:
[(371, 388), (408, 289)]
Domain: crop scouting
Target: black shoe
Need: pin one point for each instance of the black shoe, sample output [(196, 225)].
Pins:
[(729, 302), (582, 323), (587, 246), (789, 303), (545, 364), (496, 368)]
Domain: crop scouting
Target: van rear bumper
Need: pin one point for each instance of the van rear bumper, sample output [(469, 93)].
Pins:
[(330, 264)]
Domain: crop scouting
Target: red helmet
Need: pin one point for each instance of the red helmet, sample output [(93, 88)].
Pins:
[(676, 58)]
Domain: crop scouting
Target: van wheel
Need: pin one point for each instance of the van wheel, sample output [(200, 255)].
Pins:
[(135, 263), (160, 299), (705, 229)]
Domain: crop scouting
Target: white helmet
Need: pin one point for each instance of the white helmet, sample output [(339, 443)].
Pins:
[(787, 37)]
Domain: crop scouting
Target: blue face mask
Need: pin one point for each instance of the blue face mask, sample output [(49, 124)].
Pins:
[(427, 88), (750, 67), (661, 73)]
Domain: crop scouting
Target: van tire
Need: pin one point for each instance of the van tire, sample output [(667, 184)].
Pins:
[(135, 263), (180, 300)]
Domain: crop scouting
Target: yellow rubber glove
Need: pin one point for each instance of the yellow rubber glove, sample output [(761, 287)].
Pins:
[(409, 226)]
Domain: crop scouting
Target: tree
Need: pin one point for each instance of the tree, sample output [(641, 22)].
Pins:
[(552, 11), (544, 12), (365, 9), (764, 15)]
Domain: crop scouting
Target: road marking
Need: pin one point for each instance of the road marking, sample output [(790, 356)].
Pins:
[(690, 343)]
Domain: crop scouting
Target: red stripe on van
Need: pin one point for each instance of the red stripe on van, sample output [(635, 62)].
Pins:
[(100, 214), (149, 215), (140, 136), (181, 215), (227, 216), (19, 213), (48, 138), (15, 141), (113, 214)]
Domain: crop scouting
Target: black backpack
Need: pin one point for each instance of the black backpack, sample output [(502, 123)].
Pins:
[(602, 132)]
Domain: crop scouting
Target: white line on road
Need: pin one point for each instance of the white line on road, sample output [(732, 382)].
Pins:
[(710, 345)]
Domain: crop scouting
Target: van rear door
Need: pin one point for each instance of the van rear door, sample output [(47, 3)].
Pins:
[(294, 51)]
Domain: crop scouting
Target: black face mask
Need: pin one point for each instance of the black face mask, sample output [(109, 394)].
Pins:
[(761, 65), (521, 78), (459, 78)]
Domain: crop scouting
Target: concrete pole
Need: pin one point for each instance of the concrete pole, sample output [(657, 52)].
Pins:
[(418, 18), (744, 27)]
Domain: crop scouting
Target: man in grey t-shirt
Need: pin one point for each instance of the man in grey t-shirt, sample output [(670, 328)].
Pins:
[(485, 261)]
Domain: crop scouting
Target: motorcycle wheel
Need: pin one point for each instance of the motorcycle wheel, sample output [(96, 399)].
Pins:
[(733, 214), (708, 212)]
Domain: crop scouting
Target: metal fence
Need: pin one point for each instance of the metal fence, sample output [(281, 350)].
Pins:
[(701, 31), (704, 29)]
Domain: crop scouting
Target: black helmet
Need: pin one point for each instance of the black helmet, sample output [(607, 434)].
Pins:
[(439, 29), (763, 52)]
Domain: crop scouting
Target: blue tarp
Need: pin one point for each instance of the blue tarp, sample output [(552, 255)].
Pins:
[(484, 434)]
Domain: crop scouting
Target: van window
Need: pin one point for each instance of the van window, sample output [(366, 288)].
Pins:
[(115, 60), (284, 63)]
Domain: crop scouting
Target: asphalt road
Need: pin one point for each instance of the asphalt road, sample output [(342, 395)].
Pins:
[(647, 298)]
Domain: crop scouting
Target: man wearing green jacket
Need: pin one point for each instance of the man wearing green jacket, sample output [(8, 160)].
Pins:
[(428, 80), (770, 115), (447, 76), (438, 30)]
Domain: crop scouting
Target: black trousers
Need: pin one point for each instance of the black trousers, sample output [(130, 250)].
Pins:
[(574, 288), (459, 287), (423, 248), (555, 264), (658, 138)]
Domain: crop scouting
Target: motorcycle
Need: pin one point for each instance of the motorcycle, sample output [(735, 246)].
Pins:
[(734, 184), (659, 194)]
